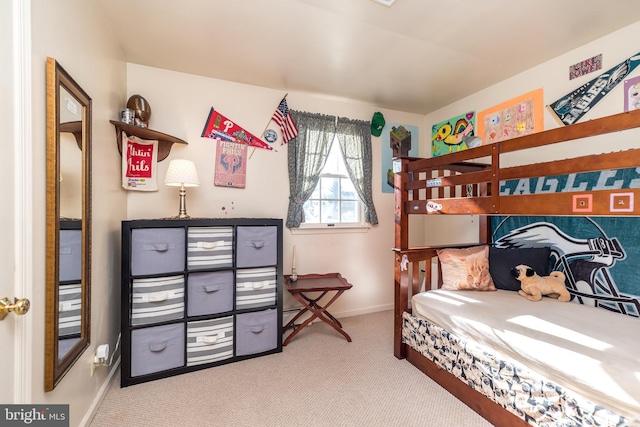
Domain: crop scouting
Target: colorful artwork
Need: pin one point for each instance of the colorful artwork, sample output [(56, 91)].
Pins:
[(519, 116), (139, 164), (571, 107), (231, 165), (453, 135), (585, 67), (632, 94), (220, 128), (397, 141)]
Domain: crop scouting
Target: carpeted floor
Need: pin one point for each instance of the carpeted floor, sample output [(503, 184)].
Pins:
[(318, 380)]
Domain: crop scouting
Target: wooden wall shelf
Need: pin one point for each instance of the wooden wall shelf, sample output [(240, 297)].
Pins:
[(164, 141), (75, 128)]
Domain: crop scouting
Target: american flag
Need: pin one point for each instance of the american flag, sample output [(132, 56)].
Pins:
[(283, 118)]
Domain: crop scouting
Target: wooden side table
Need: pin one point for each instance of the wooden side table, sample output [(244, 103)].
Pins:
[(323, 283)]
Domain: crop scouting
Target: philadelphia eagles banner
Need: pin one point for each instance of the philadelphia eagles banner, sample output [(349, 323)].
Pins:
[(571, 107), (598, 255)]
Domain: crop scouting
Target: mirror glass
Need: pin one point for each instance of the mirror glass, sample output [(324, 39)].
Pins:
[(68, 223)]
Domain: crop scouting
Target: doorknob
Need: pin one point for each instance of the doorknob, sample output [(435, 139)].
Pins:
[(19, 306)]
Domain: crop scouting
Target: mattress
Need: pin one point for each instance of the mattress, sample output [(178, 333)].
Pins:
[(592, 352)]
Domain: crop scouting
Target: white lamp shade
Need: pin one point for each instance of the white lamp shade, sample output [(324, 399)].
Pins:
[(182, 172)]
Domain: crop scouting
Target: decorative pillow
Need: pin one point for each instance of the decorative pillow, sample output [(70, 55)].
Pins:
[(502, 260), (466, 269)]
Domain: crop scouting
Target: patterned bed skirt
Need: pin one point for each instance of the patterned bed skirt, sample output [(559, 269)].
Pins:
[(504, 381)]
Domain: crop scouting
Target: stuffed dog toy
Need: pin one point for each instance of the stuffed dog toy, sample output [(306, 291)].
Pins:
[(533, 287)]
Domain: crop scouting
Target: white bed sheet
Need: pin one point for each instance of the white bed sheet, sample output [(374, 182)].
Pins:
[(590, 351)]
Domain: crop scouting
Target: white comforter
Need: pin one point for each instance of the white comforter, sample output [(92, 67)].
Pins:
[(591, 351)]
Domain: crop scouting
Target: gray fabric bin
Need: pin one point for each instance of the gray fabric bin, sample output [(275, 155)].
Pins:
[(257, 246), (157, 299), (69, 309), (209, 341), (70, 255), (157, 250), (157, 349), (209, 247), (209, 293), (256, 332), (255, 287)]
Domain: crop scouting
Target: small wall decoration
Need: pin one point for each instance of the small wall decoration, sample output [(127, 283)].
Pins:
[(632, 94), (220, 128), (585, 67), (139, 164), (571, 107), (453, 135), (397, 140), (231, 165), (519, 116)]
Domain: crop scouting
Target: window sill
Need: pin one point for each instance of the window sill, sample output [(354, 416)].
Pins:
[(333, 229)]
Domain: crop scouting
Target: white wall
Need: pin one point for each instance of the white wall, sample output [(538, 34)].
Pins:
[(74, 33), (180, 104), (553, 77)]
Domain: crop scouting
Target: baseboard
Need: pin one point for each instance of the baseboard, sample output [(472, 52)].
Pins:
[(361, 311), (97, 401), (290, 312)]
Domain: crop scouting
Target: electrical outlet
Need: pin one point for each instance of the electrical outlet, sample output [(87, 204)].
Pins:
[(101, 357)]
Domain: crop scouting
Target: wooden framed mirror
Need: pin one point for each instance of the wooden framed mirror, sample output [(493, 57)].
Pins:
[(68, 223)]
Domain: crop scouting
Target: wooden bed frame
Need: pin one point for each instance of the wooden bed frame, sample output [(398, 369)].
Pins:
[(462, 183)]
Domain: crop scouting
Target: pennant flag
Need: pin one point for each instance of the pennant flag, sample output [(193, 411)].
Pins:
[(282, 117), (220, 128), (571, 107)]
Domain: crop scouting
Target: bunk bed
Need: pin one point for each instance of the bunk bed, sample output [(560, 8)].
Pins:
[(441, 343)]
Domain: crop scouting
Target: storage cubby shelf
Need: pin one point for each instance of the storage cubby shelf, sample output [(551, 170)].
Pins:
[(198, 293)]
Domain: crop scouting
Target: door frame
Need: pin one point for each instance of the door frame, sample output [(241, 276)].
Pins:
[(22, 195)]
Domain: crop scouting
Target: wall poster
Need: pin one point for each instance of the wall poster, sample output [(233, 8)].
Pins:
[(397, 140), (519, 116), (454, 134), (231, 165), (632, 94)]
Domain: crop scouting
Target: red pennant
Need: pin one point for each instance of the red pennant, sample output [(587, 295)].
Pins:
[(220, 128)]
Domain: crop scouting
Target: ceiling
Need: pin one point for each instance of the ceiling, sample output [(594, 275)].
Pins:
[(415, 56)]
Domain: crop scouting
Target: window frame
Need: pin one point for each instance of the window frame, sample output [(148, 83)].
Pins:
[(361, 223)]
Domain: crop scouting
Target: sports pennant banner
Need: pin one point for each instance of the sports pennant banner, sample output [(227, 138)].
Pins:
[(220, 128), (571, 107)]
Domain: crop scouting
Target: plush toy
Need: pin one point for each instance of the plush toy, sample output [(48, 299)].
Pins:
[(533, 287)]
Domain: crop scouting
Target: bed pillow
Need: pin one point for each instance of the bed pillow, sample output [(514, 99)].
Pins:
[(466, 269), (502, 260)]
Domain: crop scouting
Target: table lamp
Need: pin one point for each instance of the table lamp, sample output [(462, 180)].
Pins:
[(182, 173)]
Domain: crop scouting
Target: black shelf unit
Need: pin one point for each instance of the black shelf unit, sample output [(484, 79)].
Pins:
[(157, 252)]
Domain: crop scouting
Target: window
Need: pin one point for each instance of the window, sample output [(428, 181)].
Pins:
[(343, 196), (334, 199)]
